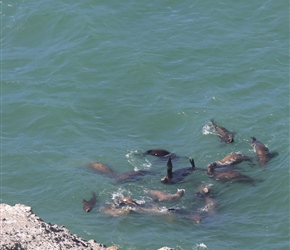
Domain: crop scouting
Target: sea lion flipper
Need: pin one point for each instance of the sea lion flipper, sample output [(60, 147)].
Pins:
[(273, 154), (169, 167), (191, 160)]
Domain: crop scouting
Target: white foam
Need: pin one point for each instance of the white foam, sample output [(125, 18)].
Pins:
[(201, 245), (208, 129)]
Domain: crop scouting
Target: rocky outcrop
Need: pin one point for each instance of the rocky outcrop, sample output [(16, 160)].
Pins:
[(21, 229)]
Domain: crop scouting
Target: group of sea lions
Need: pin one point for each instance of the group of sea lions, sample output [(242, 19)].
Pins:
[(221, 170)]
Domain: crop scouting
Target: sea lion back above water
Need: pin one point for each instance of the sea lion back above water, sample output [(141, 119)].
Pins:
[(101, 168), (262, 152), (223, 133), (161, 196), (158, 152), (229, 176), (232, 159), (178, 175)]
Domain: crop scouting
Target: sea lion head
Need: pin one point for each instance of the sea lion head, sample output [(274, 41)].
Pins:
[(165, 179), (86, 206), (180, 192), (210, 170), (213, 164), (230, 139)]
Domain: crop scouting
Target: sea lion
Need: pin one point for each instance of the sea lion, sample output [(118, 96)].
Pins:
[(165, 197), (154, 209), (132, 175), (203, 189), (158, 152), (262, 152), (226, 176), (195, 217), (151, 209), (223, 133), (103, 169), (177, 175), (125, 200), (192, 215), (232, 159), (209, 206), (88, 205), (113, 210)]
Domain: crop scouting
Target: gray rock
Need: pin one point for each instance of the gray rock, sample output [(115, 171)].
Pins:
[(22, 229)]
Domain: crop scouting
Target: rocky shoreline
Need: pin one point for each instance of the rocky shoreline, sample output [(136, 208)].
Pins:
[(21, 229)]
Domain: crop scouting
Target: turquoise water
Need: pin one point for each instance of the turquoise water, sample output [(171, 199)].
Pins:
[(85, 81)]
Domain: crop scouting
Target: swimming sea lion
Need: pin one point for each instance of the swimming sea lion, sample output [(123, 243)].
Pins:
[(154, 209), (88, 205), (209, 206), (103, 169), (177, 175), (232, 159), (195, 217), (125, 200), (165, 197), (223, 133), (151, 209), (192, 215), (262, 152), (132, 175), (204, 189), (158, 152), (225, 176), (113, 210)]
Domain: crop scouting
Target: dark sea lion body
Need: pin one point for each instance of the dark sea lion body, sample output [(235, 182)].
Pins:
[(88, 205), (262, 152), (232, 159), (228, 176), (158, 152), (177, 175), (103, 169), (161, 196), (223, 133)]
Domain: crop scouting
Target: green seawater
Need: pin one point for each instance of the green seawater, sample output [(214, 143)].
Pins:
[(85, 81)]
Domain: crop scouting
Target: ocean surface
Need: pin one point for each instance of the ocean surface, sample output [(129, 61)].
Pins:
[(104, 81)]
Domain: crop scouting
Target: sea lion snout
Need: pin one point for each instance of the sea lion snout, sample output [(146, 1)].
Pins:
[(180, 191), (211, 165)]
